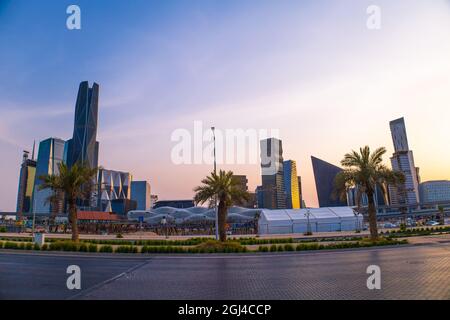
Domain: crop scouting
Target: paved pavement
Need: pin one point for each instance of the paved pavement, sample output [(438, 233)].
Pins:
[(407, 272)]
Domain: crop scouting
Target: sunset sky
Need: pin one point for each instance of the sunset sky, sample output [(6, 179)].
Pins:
[(311, 69)]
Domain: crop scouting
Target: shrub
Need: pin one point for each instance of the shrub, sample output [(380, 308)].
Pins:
[(83, 247), (64, 246), (119, 236), (126, 249), (288, 247), (263, 248), (36, 247), (3, 229), (29, 246), (106, 248), (10, 245), (273, 248), (44, 247), (213, 246), (92, 248)]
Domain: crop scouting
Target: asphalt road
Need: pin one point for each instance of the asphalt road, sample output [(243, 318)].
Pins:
[(407, 272)]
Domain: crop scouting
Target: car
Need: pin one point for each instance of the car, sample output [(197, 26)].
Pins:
[(390, 225), (432, 223)]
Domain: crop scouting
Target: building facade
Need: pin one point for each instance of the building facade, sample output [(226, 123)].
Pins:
[(273, 193), (50, 155), (434, 192), (403, 160), (83, 147), (112, 185), (141, 193), (26, 184), (324, 175), (291, 185)]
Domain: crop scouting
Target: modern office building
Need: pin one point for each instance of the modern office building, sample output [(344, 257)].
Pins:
[(352, 198), (141, 193), (179, 204), (273, 193), (435, 192), (403, 160), (123, 206), (83, 147), (50, 155), (291, 184), (242, 181), (324, 175), (302, 202), (26, 183), (112, 185)]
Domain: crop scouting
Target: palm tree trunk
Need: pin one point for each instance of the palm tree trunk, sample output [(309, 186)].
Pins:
[(222, 221), (372, 217), (73, 220)]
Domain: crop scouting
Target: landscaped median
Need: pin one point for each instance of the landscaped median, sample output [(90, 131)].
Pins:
[(194, 246)]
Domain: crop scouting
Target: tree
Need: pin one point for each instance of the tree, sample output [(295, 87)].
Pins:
[(75, 184), (228, 192), (365, 171)]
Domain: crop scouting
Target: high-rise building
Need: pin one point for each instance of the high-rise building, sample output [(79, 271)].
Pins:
[(273, 193), (291, 184), (83, 147), (141, 193), (403, 160), (50, 155), (324, 175), (302, 202), (242, 182), (112, 185), (26, 183), (434, 192)]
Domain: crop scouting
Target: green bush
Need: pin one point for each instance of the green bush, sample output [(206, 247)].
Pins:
[(83, 247), (92, 248), (11, 245), (263, 249), (213, 246), (44, 247), (36, 247), (288, 247), (106, 248), (273, 248), (3, 229), (29, 246), (126, 249), (66, 245)]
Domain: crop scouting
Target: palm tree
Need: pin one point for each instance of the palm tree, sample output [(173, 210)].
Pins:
[(227, 190), (74, 183), (365, 171)]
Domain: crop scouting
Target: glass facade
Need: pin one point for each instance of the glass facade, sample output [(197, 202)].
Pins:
[(83, 146), (435, 191), (50, 155), (273, 193), (291, 184), (26, 184), (141, 193), (324, 175)]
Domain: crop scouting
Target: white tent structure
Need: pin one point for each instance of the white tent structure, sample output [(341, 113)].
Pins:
[(320, 219)]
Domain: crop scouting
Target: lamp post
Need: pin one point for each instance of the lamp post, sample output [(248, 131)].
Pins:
[(215, 196), (308, 226)]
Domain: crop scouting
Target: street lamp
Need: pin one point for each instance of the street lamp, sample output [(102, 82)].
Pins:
[(308, 227), (213, 129)]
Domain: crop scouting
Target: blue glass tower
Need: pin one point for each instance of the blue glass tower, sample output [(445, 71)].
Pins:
[(83, 147)]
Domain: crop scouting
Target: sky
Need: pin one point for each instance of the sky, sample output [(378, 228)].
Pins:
[(311, 69)]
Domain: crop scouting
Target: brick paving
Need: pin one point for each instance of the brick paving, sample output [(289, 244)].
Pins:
[(413, 272)]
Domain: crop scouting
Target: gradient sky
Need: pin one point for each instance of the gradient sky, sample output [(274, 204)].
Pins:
[(311, 69)]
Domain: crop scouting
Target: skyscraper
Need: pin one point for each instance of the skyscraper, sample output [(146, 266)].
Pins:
[(324, 175), (273, 193), (112, 186), (50, 155), (403, 160), (141, 193), (291, 184), (83, 147), (26, 183)]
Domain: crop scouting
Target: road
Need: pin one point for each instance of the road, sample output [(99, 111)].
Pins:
[(407, 272)]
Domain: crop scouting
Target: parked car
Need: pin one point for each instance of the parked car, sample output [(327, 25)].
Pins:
[(432, 223), (390, 225)]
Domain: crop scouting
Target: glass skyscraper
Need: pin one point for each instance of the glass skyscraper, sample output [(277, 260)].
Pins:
[(291, 185), (83, 147), (26, 184), (403, 160), (324, 175), (273, 193), (50, 155), (141, 193)]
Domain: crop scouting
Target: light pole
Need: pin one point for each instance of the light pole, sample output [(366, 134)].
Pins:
[(215, 196), (308, 226)]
